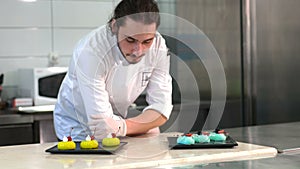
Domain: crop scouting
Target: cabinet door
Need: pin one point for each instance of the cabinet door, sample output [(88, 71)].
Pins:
[(16, 134)]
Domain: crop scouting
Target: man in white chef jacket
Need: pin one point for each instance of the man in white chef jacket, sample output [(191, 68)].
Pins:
[(110, 68)]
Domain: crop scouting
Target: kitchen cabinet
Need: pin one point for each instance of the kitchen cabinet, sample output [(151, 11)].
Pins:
[(18, 128), (16, 134)]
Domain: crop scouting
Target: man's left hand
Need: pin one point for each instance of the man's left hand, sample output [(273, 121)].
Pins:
[(103, 124)]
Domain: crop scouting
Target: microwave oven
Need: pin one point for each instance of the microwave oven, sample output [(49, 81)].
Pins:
[(41, 84)]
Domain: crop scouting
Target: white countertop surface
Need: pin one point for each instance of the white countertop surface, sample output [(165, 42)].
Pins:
[(143, 151)]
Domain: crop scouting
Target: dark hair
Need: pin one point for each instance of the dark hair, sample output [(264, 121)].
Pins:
[(145, 11)]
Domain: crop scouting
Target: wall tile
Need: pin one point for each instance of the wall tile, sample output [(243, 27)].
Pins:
[(15, 13), (66, 39), (24, 42), (81, 13)]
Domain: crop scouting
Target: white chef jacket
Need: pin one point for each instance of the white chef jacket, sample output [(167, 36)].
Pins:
[(100, 80)]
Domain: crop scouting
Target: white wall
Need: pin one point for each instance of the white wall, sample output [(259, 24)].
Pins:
[(29, 31)]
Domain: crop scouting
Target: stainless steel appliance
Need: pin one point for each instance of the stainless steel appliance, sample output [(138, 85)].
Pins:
[(271, 60), (220, 21), (257, 41), (1, 81)]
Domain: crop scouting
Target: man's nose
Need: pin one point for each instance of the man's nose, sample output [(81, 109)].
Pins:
[(138, 49)]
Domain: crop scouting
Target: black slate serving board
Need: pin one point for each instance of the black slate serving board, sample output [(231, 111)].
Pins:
[(228, 143), (100, 150)]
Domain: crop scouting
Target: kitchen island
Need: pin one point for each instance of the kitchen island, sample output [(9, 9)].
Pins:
[(150, 150)]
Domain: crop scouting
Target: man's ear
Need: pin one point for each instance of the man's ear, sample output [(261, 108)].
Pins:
[(114, 27)]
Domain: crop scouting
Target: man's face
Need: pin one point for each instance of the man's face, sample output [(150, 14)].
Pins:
[(135, 38)]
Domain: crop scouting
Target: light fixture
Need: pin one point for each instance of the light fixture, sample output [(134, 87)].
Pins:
[(28, 0)]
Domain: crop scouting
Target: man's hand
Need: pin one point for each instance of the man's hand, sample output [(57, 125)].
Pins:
[(103, 124), (144, 122)]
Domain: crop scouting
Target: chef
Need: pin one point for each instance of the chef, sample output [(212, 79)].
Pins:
[(110, 68)]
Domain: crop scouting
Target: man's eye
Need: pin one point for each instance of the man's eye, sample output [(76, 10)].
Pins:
[(130, 40), (147, 41)]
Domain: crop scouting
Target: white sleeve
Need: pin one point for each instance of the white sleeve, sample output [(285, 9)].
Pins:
[(90, 71), (159, 89)]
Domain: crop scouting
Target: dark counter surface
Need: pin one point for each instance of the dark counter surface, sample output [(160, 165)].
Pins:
[(8, 117), (12, 116)]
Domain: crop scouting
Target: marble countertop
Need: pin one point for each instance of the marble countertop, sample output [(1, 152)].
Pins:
[(151, 150)]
